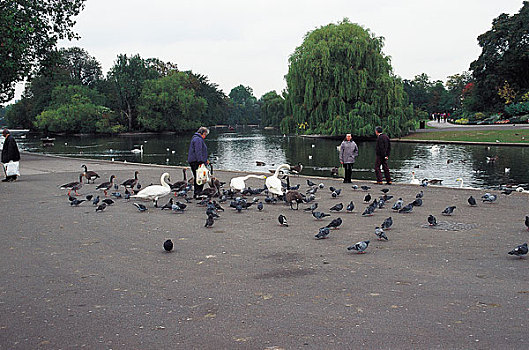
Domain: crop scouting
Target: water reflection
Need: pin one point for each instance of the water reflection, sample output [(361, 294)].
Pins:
[(241, 150)]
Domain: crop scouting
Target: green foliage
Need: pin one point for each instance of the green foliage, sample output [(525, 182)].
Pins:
[(244, 107), (217, 109), (29, 30), (272, 109), (504, 58), (82, 68), (169, 104), (516, 109), (339, 81)]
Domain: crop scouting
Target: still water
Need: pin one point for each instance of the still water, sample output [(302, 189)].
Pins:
[(240, 150)]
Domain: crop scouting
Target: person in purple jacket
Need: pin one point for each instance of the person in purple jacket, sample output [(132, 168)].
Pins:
[(198, 154)]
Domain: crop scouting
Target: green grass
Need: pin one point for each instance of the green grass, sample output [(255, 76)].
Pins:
[(511, 136)]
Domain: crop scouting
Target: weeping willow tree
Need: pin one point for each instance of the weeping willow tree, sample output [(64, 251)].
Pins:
[(339, 81)]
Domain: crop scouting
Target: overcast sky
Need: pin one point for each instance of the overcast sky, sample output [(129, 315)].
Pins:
[(248, 42)]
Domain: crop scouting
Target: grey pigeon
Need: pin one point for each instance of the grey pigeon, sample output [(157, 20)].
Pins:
[(406, 209), (108, 201), (360, 247), (369, 211), (323, 233), (449, 210), (332, 189), (321, 185), (419, 195), (313, 207), (354, 187), (76, 202), (417, 202), (337, 207), (335, 223), (520, 250), (398, 204), (507, 191), (101, 207), (260, 206), (140, 207), (472, 201), (489, 198), (381, 203), (365, 188), (385, 190), (282, 220), (432, 221), (380, 234), (367, 198), (350, 206), (209, 221), (168, 245), (319, 215), (310, 183), (89, 197), (167, 205), (176, 208), (95, 201), (386, 225)]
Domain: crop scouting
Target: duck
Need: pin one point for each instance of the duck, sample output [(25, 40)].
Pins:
[(273, 183), (237, 183), (89, 175), (130, 183), (73, 186), (137, 151), (414, 181), (259, 163), (296, 169), (154, 192), (105, 186)]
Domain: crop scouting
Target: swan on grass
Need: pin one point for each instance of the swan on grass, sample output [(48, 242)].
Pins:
[(154, 192), (237, 183), (414, 181), (273, 183)]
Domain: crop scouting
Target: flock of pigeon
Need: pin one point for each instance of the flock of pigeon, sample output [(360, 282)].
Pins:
[(239, 201)]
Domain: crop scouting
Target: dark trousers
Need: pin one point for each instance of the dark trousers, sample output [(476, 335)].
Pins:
[(196, 188), (382, 161), (348, 167)]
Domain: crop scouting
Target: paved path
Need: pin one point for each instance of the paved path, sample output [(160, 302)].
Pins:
[(445, 126), (73, 278)]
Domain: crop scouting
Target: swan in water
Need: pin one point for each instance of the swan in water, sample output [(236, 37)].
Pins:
[(414, 181), (237, 183), (154, 192), (273, 183), (136, 150)]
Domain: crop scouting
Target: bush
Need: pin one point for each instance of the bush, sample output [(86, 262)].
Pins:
[(479, 116), (515, 109), (462, 121)]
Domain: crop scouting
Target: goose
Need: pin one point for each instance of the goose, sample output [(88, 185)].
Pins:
[(89, 175), (273, 183), (130, 183), (105, 186), (73, 186), (296, 169), (154, 192), (414, 181), (179, 185), (136, 150), (237, 183)]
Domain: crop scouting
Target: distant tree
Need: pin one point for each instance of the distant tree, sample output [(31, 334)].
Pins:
[(29, 30), (339, 81), (245, 109), (217, 110), (504, 58), (455, 84), (163, 68), (82, 68), (272, 109)]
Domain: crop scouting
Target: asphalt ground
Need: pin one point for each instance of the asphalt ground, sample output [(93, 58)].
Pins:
[(72, 278)]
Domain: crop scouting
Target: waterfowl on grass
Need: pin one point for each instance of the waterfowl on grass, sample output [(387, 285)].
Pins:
[(130, 183), (89, 175), (105, 186), (154, 192)]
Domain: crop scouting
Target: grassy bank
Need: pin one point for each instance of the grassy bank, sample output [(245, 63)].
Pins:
[(511, 136)]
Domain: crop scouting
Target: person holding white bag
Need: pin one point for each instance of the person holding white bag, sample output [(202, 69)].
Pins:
[(198, 155), (10, 157)]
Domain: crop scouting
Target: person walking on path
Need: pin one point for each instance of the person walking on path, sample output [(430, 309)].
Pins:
[(382, 150), (198, 155), (348, 154), (9, 153)]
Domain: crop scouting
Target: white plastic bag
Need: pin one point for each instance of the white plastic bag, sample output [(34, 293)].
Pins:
[(12, 168), (202, 174)]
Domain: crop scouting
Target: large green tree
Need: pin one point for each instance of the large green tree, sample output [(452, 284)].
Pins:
[(244, 106), (504, 59), (272, 109), (29, 30), (340, 81), (82, 68)]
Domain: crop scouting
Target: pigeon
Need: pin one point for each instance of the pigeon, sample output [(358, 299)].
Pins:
[(489, 198), (367, 198), (116, 194), (360, 247), (310, 183), (321, 185), (350, 206), (75, 202), (519, 250), (381, 203), (417, 202), (332, 189), (337, 207), (140, 207), (101, 207), (432, 221), (176, 208), (211, 211), (386, 197), (209, 221), (168, 245), (95, 201), (282, 220), (385, 190), (167, 205), (472, 201), (354, 187), (507, 191), (424, 182), (419, 195), (323, 233), (365, 188), (108, 201), (386, 225), (313, 207), (380, 234), (398, 204), (335, 223), (369, 211), (319, 215), (260, 206), (406, 209), (448, 210), (89, 197), (527, 222)]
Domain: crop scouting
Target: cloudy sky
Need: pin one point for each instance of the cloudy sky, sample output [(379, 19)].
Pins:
[(248, 42)]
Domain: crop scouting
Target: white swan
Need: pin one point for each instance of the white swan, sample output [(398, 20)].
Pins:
[(460, 180), (135, 150), (154, 192), (237, 183), (273, 183), (414, 181)]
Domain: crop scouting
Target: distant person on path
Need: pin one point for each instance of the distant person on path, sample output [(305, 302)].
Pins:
[(9, 153), (382, 150), (198, 154), (348, 154)]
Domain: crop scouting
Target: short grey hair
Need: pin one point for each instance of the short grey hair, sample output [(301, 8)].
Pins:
[(378, 129), (203, 130)]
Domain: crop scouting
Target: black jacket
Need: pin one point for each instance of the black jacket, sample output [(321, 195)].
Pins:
[(10, 150), (383, 147)]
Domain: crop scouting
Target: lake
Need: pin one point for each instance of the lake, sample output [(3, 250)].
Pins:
[(240, 150)]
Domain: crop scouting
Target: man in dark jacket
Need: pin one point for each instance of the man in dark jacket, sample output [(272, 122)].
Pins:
[(382, 150), (9, 153), (198, 154)]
